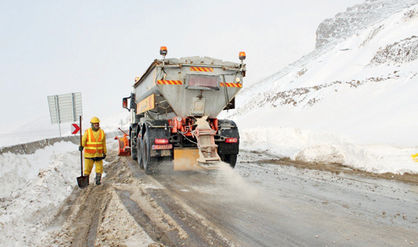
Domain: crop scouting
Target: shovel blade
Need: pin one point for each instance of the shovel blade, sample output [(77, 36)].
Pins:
[(83, 181)]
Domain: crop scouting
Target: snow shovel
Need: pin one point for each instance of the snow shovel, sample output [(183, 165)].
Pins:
[(83, 181)]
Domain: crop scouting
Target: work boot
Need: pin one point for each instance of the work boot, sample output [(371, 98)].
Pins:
[(98, 178)]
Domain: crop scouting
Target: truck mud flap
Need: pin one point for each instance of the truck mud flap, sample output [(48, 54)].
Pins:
[(186, 159)]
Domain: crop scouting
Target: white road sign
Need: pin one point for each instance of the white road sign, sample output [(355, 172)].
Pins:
[(65, 108)]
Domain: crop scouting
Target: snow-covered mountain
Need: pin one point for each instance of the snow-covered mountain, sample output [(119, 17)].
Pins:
[(358, 17), (356, 92)]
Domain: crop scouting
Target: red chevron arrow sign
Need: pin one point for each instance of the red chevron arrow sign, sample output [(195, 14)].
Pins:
[(74, 128)]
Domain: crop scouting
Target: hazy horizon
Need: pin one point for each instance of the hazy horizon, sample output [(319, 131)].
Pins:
[(98, 47)]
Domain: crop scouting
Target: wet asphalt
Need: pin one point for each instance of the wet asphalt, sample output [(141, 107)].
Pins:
[(261, 204)]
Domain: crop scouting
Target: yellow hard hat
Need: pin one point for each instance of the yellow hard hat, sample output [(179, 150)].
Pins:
[(95, 120)]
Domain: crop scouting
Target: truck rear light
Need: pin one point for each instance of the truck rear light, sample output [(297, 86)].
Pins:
[(231, 140), (160, 141)]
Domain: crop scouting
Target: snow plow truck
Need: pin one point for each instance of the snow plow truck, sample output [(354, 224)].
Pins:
[(174, 107)]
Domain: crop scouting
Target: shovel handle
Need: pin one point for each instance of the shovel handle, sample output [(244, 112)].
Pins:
[(81, 152)]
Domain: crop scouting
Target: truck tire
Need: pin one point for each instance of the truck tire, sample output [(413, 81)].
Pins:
[(133, 149), (139, 145), (147, 162), (231, 159)]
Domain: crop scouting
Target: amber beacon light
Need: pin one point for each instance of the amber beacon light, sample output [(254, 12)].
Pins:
[(242, 55), (163, 50)]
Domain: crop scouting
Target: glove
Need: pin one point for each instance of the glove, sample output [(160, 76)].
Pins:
[(80, 148)]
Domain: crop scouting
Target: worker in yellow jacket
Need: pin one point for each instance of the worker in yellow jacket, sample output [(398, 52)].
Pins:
[(94, 145), (415, 157)]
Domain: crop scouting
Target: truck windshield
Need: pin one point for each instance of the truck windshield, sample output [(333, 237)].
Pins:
[(202, 82)]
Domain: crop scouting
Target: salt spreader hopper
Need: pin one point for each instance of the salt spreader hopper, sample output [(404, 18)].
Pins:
[(174, 107)]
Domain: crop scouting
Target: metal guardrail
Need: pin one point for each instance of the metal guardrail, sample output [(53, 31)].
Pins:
[(31, 147)]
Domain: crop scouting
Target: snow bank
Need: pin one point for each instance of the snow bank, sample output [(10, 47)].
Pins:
[(32, 189), (17, 170), (325, 147)]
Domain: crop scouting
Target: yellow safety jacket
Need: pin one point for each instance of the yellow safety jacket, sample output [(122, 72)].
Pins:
[(415, 157), (94, 143)]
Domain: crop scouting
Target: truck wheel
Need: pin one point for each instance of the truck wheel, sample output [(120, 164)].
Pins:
[(139, 145), (147, 161), (133, 150), (231, 159)]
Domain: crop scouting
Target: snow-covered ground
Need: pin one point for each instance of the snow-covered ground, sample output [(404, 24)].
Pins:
[(353, 102), (325, 147), (32, 187)]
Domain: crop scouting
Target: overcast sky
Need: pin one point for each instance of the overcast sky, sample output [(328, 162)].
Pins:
[(98, 47)]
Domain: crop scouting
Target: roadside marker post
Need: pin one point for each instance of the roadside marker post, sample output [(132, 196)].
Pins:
[(75, 128)]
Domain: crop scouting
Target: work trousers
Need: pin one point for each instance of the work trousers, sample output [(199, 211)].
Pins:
[(88, 166)]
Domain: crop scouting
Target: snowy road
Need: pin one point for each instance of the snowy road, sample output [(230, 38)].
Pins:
[(256, 204), (271, 205)]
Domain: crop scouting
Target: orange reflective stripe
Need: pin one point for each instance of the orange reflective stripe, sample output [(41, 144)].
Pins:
[(93, 151), (169, 82), (230, 84), (201, 69)]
